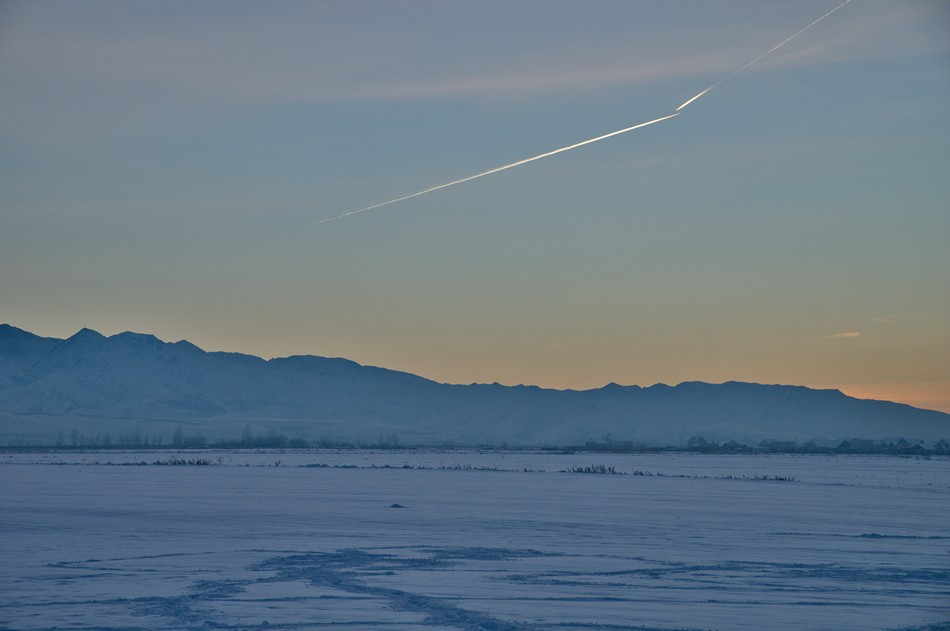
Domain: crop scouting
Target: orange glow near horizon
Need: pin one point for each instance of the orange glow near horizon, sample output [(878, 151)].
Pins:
[(926, 395)]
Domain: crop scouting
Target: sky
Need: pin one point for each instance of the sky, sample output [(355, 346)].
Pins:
[(162, 165)]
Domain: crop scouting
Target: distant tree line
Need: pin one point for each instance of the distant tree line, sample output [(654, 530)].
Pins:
[(180, 439), (698, 444), (133, 440), (271, 439)]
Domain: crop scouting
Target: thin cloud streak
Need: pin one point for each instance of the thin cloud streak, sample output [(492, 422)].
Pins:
[(885, 319), (491, 171), (842, 336), (295, 67)]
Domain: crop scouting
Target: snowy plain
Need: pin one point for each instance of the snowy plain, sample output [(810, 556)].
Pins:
[(467, 540)]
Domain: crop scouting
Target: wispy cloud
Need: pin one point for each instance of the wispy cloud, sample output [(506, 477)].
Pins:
[(313, 54), (258, 69), (841, 336), (885, 319)]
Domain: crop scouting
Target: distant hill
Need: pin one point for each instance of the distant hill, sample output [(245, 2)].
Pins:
[(131, 383)]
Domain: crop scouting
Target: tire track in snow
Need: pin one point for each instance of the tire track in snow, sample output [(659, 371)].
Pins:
[(341, 570)]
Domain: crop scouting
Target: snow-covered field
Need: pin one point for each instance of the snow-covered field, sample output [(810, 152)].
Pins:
[(315, 540)]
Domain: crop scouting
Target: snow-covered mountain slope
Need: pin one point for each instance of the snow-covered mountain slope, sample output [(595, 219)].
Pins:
[(133, 382)]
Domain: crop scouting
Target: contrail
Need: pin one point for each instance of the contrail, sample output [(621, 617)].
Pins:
[(768, 52), (694, 98), (490, 171), (579, 144)]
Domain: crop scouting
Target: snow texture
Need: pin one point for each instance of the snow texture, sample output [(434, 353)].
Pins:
[(486, 541)]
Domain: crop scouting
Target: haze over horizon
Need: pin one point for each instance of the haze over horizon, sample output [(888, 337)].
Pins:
[(4, 329), (159, 161)]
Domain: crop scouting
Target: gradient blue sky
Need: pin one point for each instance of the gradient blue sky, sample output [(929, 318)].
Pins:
[(159, 162)]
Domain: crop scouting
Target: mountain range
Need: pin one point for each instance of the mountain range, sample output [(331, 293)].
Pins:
[(134, 383)]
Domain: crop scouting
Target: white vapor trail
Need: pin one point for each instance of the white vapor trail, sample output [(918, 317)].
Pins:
[(490, 171), (580, 144), (694, 98), (768, 52)]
